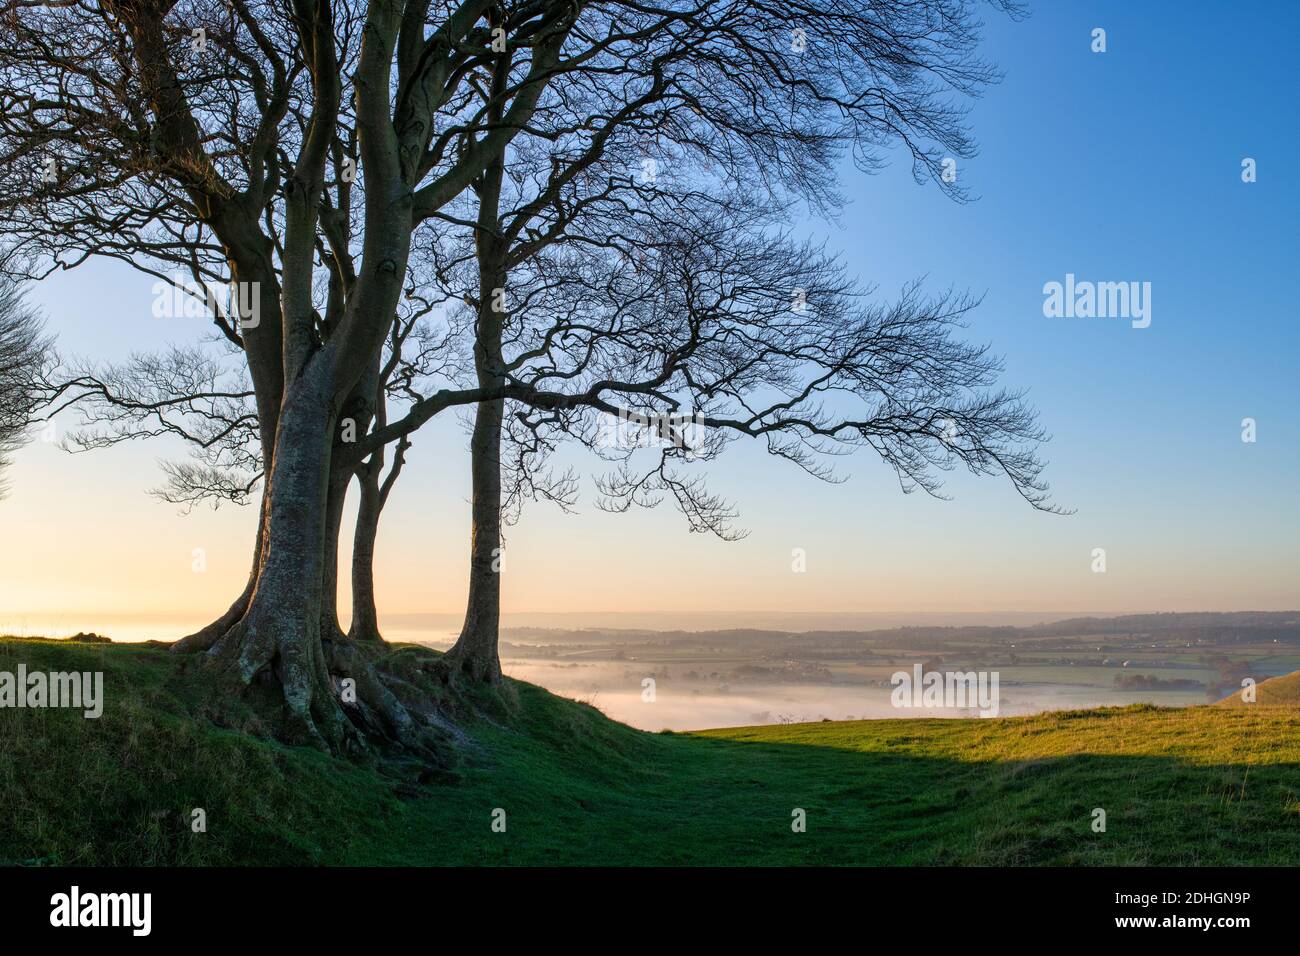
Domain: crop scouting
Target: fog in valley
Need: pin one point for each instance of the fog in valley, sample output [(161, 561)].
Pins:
[(616, 690), (694, 679)]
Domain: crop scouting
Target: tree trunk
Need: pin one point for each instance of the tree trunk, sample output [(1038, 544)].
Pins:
[(365, 618), (371, 496), (330, 628), (475, 653), (280, 631), (288, 635)]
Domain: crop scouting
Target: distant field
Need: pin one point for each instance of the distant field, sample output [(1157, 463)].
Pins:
[(1200, 785)]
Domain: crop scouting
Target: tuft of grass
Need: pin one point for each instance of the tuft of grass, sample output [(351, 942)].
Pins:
[(1189, 786)]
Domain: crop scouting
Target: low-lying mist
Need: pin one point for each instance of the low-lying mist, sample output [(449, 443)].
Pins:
[(616, 689)]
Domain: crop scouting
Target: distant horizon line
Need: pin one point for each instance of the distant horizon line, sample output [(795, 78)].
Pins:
[(173, 615), (177, 613), (162, 622)]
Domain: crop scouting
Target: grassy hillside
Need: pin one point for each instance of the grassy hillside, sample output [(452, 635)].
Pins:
[(1202, 785), (1275, 692)]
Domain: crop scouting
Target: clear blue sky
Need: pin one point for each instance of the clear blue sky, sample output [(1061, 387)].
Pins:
[(1122, 166)]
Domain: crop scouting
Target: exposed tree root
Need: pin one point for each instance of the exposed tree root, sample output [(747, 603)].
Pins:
[(312, 715), (459, 668), (368, 700), (473, 659), (349, 699)]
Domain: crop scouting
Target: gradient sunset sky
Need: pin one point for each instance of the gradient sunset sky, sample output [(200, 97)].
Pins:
[(1122, 166)]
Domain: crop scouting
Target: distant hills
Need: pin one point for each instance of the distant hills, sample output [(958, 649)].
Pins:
[(1223, 627)]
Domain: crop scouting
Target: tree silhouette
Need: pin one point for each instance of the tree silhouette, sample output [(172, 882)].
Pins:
[(25, 354), (302, 155)]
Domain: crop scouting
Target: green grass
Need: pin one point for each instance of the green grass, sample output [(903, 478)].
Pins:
[(1198, 785)]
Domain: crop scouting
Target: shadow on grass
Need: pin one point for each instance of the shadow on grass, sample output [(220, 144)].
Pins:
[(927, 792)]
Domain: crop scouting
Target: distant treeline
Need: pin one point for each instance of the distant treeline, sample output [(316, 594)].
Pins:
[(1143, 682)]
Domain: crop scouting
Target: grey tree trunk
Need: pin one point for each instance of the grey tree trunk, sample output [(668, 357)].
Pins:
[(475, 653), (330, 628), (287, 634), (280, 630), (365, 618)]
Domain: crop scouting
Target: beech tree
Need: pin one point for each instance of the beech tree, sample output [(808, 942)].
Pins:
[(298, 151), (519, 293), (25, 353), (199, 393)]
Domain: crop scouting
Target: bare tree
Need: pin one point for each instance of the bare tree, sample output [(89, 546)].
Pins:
[(267, 147), (597, 192), (25, 354)]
